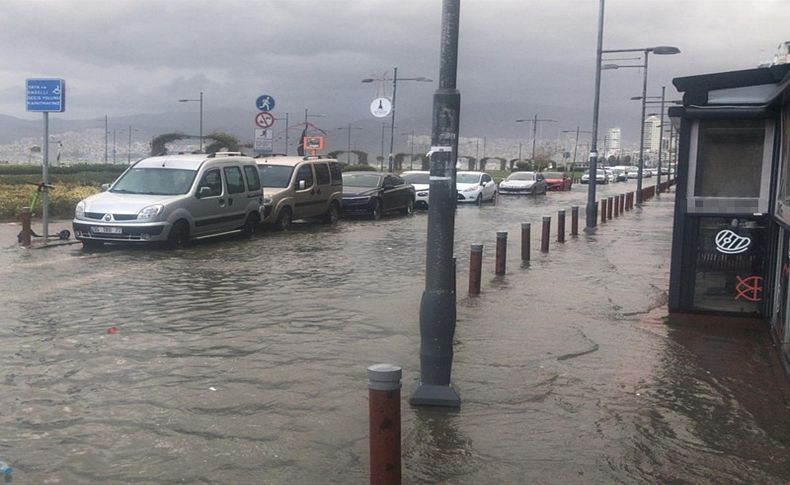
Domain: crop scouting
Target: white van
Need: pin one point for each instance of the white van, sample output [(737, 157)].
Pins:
[(173, 199)]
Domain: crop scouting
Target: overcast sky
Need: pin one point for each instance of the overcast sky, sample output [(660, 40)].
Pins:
[(122, 57)]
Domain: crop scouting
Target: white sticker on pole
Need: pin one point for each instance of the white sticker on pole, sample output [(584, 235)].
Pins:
[(441, 149), (593, 154)]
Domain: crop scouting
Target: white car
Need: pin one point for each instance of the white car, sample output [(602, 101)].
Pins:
[(523, 183), (601, 177), (475, 187), (420, 179)]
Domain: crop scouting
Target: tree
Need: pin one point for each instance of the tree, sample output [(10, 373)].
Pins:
[(222, 142)]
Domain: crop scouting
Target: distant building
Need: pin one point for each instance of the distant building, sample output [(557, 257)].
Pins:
[(652, 136), (612, 142)]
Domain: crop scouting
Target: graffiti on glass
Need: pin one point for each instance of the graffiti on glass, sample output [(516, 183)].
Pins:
[(749, 288)]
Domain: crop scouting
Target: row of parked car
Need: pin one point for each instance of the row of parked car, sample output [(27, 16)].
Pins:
[(177, 198), (608, 175)]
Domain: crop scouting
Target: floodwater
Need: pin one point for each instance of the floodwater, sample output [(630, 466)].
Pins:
[(243, 361)]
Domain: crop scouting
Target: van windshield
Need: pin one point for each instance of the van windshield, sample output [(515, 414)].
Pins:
[(277, 176), (155, 181)]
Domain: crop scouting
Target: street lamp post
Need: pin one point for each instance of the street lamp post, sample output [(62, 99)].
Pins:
[(576, 143), (411, 145), (535, 122), (129, 151), (349, 128), (395, 80), (286, 132), (659, 50), (199, 100)]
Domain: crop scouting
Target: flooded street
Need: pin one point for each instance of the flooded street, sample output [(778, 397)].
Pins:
[(243, 361)]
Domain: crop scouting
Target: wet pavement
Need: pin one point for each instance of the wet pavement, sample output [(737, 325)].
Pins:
[(243, 361)]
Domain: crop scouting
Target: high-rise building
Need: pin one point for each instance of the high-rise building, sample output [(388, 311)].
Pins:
[(612, 143), (652, 136)]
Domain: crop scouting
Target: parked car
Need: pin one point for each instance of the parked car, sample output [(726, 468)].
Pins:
[(633, 172), (374, 193), (523, 183), (420, 180), (174, 198), (620, 173), (610, 175), (600, 177), (475, 187), (557, 181), (300, 188)]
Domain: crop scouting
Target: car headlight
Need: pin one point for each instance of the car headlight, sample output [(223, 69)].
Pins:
[(79, 212), (150, 212)]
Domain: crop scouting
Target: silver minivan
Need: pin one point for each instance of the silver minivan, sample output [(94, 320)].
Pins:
[(173, 199)]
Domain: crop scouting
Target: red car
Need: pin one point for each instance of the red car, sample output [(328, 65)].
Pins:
[(557, 181)]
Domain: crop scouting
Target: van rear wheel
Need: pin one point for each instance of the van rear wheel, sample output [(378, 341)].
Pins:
[(332, 214)]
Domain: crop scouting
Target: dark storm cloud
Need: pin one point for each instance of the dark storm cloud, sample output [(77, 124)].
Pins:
[(517, 57)]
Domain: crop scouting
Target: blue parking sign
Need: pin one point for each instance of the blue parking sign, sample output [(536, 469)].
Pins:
[(46, 95)]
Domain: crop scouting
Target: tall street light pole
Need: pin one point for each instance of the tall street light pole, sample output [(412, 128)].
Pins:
[(576, 143), (437, 307), (659, 50), (129, 153), (395, 80), (199, 100), (535, 122), (593, 160), (349, 128)]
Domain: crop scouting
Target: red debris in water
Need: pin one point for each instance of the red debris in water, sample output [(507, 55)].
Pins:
[(112, 330)]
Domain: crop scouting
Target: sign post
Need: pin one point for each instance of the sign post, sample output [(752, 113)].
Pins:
[(45, 96)]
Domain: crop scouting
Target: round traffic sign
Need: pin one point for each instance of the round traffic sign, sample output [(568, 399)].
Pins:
[(264, 103), (264, 119), (381, 107)]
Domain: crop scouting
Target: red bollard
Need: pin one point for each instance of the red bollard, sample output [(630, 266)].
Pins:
[(501, 252), (603, 210), (544, 240), (609, 208), (575, 220), (27, 232), (475, 269), (561, 226), (384, 413), (526, 229)]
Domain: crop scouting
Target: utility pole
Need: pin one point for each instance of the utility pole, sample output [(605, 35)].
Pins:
[(437, 307)]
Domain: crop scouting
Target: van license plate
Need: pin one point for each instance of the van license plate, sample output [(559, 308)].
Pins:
[(106, 230)]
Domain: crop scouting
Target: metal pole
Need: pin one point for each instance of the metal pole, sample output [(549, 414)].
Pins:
[(575, 220), (501, 252), (106, 134), (526, 231), (384, 384), (661, 140), (561, 226), (642, 135), (129, 152), (348, 151), (475, 268), (437, 307), (381, 162), (286, 134), (391, 161), (201, 122), (114, 150), (534, 136), (411, 157), (591, 204), (45, 179), (545, 235), (575, 147)]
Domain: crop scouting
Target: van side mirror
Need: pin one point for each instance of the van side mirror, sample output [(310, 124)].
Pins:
[(302, 185), (105, 187)]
